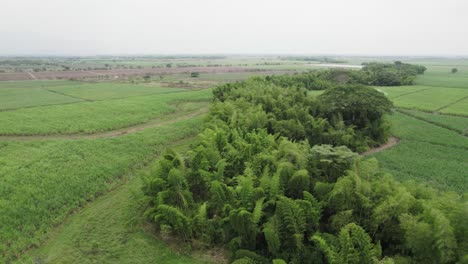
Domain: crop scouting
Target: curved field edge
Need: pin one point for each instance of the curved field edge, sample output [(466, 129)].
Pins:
[(42, 181), (427, 153), (112, 229), (91, 117)]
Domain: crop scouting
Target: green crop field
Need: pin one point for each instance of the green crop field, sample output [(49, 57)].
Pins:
[(396, 91), (457, 123), (89, 117), (69, 197), (427, 153), (428, 98), (103, 91), (433, 147), (458, 108), (31, 97), (41, 181), (439, 74), (124, 239), (36, 84)]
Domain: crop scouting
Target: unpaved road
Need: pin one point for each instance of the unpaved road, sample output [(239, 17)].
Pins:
[(157, 122), (47, 75), (32, 75), (393, 141), (335, 65)]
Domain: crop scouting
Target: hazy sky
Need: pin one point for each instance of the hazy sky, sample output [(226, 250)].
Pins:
[(355, 27)]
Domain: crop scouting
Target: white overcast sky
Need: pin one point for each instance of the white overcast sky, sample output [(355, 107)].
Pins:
[(349, 27)]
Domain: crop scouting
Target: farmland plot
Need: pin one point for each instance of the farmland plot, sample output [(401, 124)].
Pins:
[(89, 117), (431, 99)]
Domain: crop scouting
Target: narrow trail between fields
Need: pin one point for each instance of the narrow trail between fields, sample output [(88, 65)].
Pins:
[(157, 122), (393, 141), (32, 76)]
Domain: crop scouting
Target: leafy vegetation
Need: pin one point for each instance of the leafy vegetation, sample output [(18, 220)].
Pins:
[(259, 182), (290, 112), (388, 74)]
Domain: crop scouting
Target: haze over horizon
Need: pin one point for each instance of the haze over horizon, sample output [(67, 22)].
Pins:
[(126, 27)]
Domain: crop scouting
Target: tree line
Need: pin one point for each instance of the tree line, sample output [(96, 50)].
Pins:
[(275, 177), (372, 73)]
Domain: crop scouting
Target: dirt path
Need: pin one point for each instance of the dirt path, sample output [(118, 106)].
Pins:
[(32, 76), (95, 73), (393, 141), (157, 122), (334, 65)]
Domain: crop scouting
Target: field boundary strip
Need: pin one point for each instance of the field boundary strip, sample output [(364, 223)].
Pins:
[(432, 112), (34, 106), (156, 122), (412, 92), (71, 96), (452, 103), (32, 75), (459, 131)]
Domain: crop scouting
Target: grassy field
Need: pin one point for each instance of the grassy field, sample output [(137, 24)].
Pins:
[(439, 73), (42, 181), (433, 147), (458, 108), (103, 91), (110, 230), (31, 97), (89, 117), (427, 153), (36, 84), (457, 123), (428, 98)]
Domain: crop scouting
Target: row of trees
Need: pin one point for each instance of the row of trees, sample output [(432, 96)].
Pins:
[(372, 73), (274, 178), (390, 74)]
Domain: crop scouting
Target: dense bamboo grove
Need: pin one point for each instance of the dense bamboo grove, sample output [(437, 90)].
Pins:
[(274, 178)]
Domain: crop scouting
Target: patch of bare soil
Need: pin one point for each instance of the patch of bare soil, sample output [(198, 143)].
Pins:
[(121, 73), (393, 141)]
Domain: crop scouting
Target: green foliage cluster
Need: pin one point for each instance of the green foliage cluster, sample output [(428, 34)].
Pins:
[(350, 115), (390, 74), (372, 73), (266, 180)]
